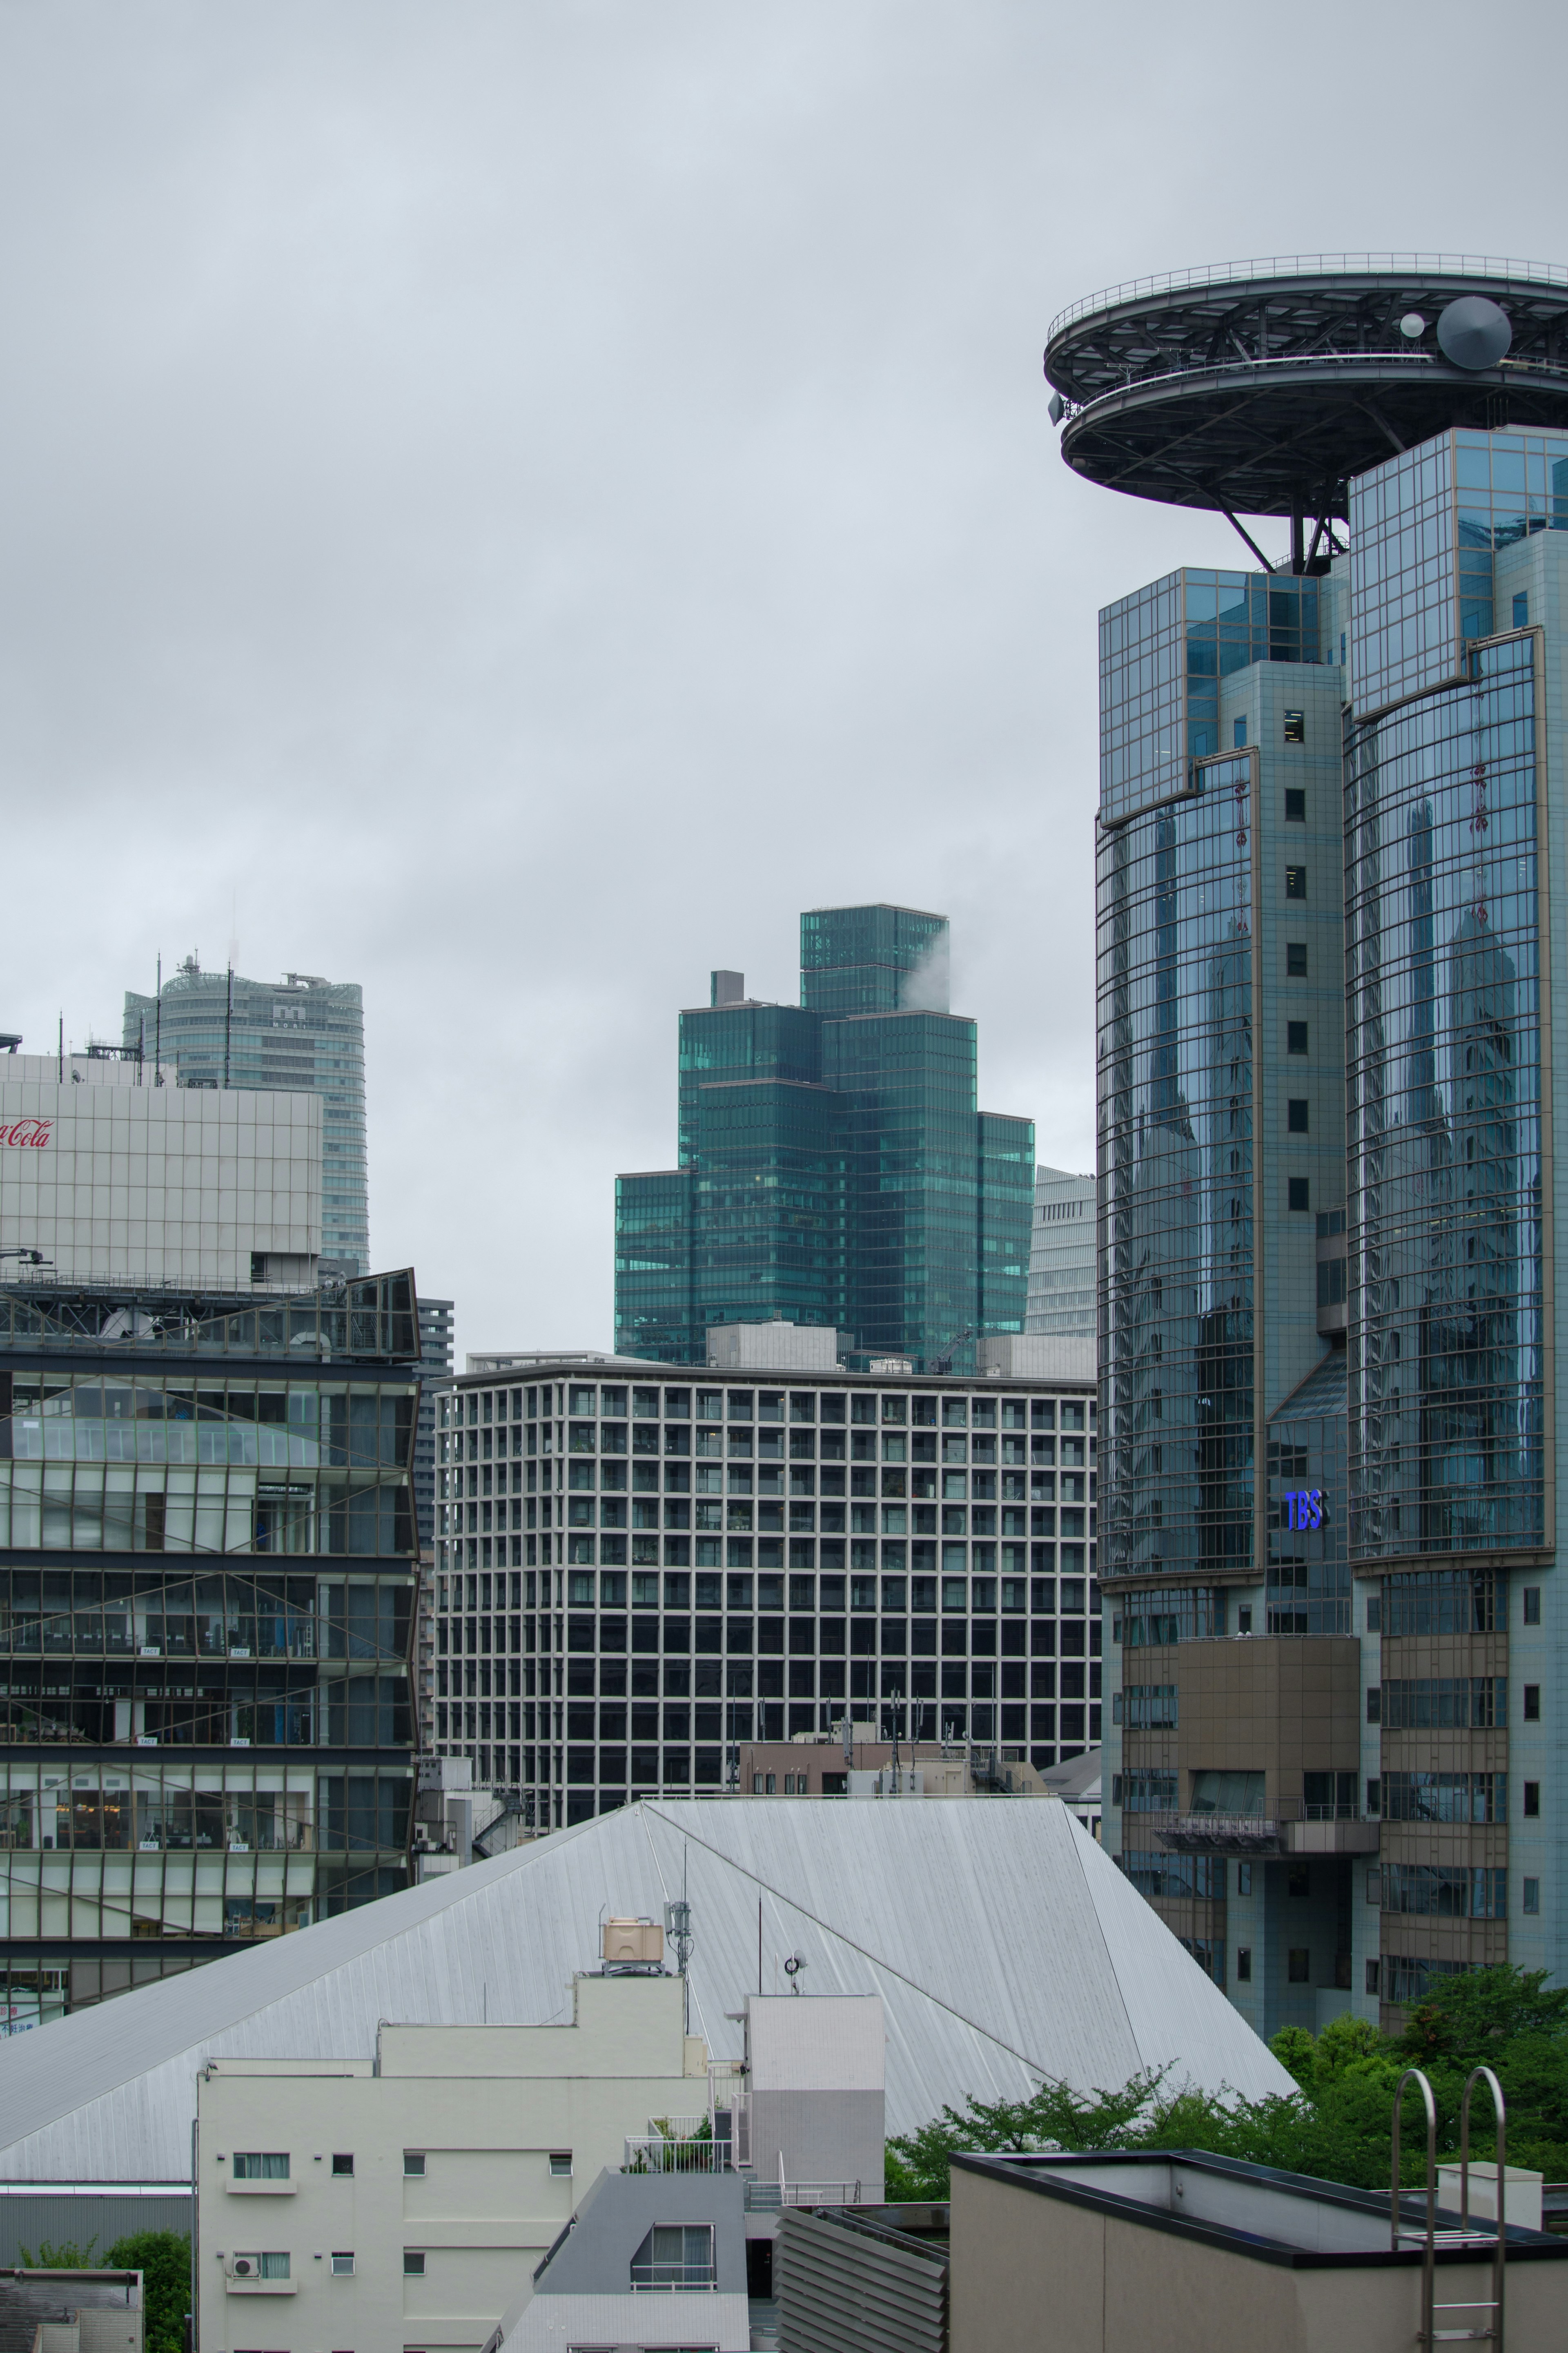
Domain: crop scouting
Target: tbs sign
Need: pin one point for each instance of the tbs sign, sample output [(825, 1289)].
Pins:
[(1303, 1507)]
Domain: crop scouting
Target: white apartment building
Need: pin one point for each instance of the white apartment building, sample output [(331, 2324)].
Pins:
[(112, 1173), (1061, 1297), (403, 2201)]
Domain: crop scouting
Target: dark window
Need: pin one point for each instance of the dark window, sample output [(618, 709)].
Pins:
[(1300, 1971), (1532, 1605), (412, 2262), (1375, 1704), (1238, 733), (1532, 1702), (1294, 727), (1295, 959), (1295, 1037), (1521, 609), (1372, 1976), (1532, 1798), (1244, 1965), (346, 2164), (1532, 1895), (1295, 806), (1298, 1879), (1295, 882), (1296, 1115), (1301, 1192)]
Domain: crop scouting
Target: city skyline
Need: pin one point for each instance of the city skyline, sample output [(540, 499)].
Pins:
[(391, 617)]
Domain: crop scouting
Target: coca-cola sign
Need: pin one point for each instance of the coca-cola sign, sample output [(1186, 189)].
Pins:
[(36, 1132)]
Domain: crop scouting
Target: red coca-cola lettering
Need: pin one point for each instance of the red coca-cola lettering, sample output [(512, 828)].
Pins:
[(36, 1132)]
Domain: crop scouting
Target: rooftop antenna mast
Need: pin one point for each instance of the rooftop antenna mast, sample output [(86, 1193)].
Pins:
[(158, 1027), (227, 1024)]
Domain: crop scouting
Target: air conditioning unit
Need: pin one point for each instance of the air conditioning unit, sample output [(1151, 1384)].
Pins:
[(243, 2266)]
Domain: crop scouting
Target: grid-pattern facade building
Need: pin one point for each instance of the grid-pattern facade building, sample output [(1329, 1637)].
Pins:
[(634, 1574), (1062, 1256), (835, 1169), (302, 1033), (113, 1176), (206, 1584)]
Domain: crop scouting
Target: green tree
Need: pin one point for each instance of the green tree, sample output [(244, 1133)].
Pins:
[(1336, 2125), (68, 2255), (163, 2260)]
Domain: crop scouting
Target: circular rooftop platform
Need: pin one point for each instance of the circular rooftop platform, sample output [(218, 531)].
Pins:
[(1259, 387)]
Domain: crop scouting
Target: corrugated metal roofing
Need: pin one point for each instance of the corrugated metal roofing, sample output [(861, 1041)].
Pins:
[(1005, 1943)]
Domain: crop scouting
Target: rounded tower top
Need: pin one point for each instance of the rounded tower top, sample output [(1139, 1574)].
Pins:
[(1260, 387)]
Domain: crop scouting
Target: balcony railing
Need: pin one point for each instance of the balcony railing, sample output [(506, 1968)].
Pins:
[(662, 2153), (674, 2279), (1228, 1833)]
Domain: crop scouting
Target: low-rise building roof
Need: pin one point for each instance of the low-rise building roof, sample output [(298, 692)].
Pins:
[(1007, 1946)]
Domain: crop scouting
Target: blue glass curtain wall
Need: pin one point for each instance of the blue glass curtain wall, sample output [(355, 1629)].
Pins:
[(1176, 1043), (1449, 1348)]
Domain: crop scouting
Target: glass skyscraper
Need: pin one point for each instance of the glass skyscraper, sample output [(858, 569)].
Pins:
[(220, 1030), (835, 1169), (1328, 1502), (207, 1593)]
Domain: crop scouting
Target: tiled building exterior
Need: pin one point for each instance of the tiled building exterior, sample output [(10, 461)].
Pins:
[(638, 1569), (112, 1175)]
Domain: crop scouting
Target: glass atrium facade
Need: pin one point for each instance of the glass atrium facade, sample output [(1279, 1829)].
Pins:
[(835, 1169), (635, 1576), (301, 1033), (206, 1737), (1327, 1308)]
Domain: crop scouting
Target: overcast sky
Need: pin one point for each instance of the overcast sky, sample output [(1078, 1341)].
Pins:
[(509, 503)]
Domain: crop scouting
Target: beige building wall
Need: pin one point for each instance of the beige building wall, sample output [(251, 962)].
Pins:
[(1032, 2274), (495, 2113)]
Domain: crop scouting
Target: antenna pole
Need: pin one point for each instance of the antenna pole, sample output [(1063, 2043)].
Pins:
[(158, 1027), (62, 1051), (227, 1024)]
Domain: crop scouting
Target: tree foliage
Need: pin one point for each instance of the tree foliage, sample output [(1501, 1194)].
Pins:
[(163, 2260), (1336, 2123)]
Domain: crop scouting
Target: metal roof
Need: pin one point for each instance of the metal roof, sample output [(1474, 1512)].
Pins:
[(1005, 1944)]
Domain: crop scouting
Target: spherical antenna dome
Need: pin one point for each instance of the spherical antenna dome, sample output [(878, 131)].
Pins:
[(1473, 332)]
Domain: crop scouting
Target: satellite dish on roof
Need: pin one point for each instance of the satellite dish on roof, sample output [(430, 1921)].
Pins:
[(1473, 333)]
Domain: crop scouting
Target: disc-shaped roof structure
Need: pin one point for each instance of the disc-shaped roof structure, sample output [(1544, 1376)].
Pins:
[(1260, 387), (1006, 1945)]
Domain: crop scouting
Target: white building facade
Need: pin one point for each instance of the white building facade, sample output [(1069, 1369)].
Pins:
[(1061, 1256), (111, 1175), (404, 2201)]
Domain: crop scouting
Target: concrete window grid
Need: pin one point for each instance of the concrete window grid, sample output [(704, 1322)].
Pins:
[(505, 1674)]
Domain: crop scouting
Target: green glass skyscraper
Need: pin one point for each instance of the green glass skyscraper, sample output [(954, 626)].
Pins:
[(835, 1169)]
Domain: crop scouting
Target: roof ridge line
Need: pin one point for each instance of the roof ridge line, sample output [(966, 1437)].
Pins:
[(903, 1978)]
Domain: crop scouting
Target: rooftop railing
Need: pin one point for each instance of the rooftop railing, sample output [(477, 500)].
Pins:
[(1310, 265)]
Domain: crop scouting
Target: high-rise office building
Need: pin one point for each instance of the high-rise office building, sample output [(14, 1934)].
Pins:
[(834, 1168), (1326, 1078), (636, 1573), (208, 1583), (217, 1030), (1062, 1257)]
